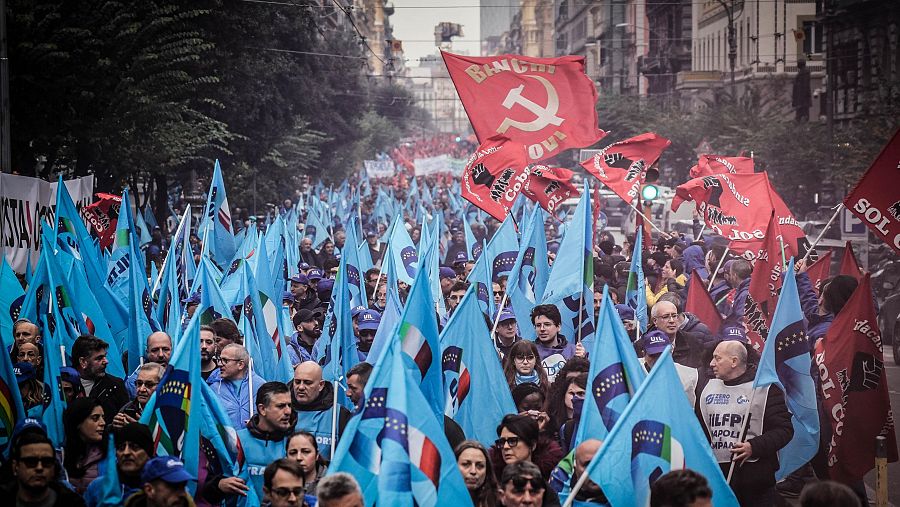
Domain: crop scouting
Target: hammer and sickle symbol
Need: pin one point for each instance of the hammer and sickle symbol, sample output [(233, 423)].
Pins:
[(543, 115)]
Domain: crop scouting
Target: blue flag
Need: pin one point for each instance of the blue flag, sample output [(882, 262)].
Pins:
[(614, 376), (528, 280), (55, 401), (12, 295), (786, 362), (472, 373), (118, 267), (141, 319), (217, 215), (502, 250), (353, 270), (635, 291), (657, 433), (390, 317), (571, 283), (212, 304), (178, 273), (480, 277), (106, 491), (172, 411), (11, 408), (337, 345), (403, 253), (270, 294), (394, 448)]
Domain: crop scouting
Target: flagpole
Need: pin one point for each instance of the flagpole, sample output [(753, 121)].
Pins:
[(581, 314), (576, 488), (497, 317), (701, 232), (334, 416), (712, 277), (743, 434), (837, 210), (639, 212)]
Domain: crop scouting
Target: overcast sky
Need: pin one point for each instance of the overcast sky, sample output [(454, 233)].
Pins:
[(414, 22)]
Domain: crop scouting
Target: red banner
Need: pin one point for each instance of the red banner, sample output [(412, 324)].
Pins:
[(819, 271), (494, 176), (103, 216), (546, 104), (854, 388), (875, 199), (849, 265), (549, 186), (700, 304), (765, 283), (622, 166), (717, 164)]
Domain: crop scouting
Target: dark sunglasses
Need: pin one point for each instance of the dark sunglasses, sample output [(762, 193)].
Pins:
[(512, 441), (519, 483), (287, 492), (32, 462), (148, 384)]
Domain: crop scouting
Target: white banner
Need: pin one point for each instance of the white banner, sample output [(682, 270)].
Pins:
[(26, 202), (379, 168), (432, 165)]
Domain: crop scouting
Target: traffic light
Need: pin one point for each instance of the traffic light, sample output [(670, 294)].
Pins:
[(649, 192)]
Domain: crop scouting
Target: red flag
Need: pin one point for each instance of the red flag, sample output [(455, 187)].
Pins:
[(717, 164), (849, 266), (765, 283), (546, 104), (875, 199), (819, 271), (622, 166), (700, 304), (494, 176), (549, 186), (854, 387), (103, 216)]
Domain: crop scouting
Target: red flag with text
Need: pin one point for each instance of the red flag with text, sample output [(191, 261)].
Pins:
[(701, 305), (494, 176), (875, 199), (549, 186), (622, 166), (854, 388), (717, 164), (103, 216), (546, 104), (849, 265), (819, 271), (765, 283)]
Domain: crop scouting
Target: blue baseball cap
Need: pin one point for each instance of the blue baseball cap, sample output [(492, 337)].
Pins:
[(300, 278), (655, 342), (287, 296), (28, 424), (303, 265), (446, 272), (23, 372), (193, 299), (734, 333), (166, 468), (625, 312), (461, 257), (356, 310), (315, 274), (369, 320), (506, 314), (325, 285)]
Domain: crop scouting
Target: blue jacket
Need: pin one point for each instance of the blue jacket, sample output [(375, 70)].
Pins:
[(235, 401), (719, 294), (92, 496), (297, 352), (554, 358), (735, 314), (260, 449), (315, 417)]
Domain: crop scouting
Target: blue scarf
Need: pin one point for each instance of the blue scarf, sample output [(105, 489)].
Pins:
[(533, 378)]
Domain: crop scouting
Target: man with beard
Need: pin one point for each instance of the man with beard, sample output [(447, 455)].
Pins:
[(134, 447), (231, 382), (165, 485), (265, 437), (158, 350), (368, 322), (314, 403), (300, 346), (35, 469), (148, 377), (89, 356), (207, 351)]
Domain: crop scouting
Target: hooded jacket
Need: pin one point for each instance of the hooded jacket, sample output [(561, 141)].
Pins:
[(260, 449), (235, 400), (554, 358), (735, 315), (315, 417)]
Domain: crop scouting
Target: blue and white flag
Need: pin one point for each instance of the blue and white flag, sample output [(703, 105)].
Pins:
[(217, 215)]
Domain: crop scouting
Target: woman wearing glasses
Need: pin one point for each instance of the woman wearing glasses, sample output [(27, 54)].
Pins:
[(521, 366), (85, 442), (520, 440)]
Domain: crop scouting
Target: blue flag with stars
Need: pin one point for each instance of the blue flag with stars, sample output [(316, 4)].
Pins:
[(635, 291), (657, 433), (528, 278), (394, 448), (502, 250), (786, 362), (217, 215)]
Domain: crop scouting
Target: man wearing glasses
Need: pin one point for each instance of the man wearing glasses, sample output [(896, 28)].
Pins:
[(158, 350), (521, 485), (148, 377), (686, 348), (35, 469), (283, 484), (231, 382)]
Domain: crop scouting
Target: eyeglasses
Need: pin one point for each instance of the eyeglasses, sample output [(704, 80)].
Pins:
[(671, 316), (32, 462), (287, 492), (520, 482), (145, 383), (524, 357), (226, 360), (512, 441)]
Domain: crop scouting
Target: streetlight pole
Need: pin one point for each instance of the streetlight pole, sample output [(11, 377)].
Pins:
[(5, 155), (732, 39)]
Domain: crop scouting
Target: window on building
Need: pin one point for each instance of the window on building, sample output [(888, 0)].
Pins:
[(812, 37)]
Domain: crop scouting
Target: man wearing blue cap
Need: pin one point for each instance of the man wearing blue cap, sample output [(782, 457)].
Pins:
[(654, 343), (304, 298), (376, 248), (368, 325), (457, 246), (448, 278), (507, 332), (165, 482)]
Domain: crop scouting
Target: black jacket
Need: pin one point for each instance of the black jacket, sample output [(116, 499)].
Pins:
[(324, 401), (688, 348), (64, 496), (756, 476), (111, 393)]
